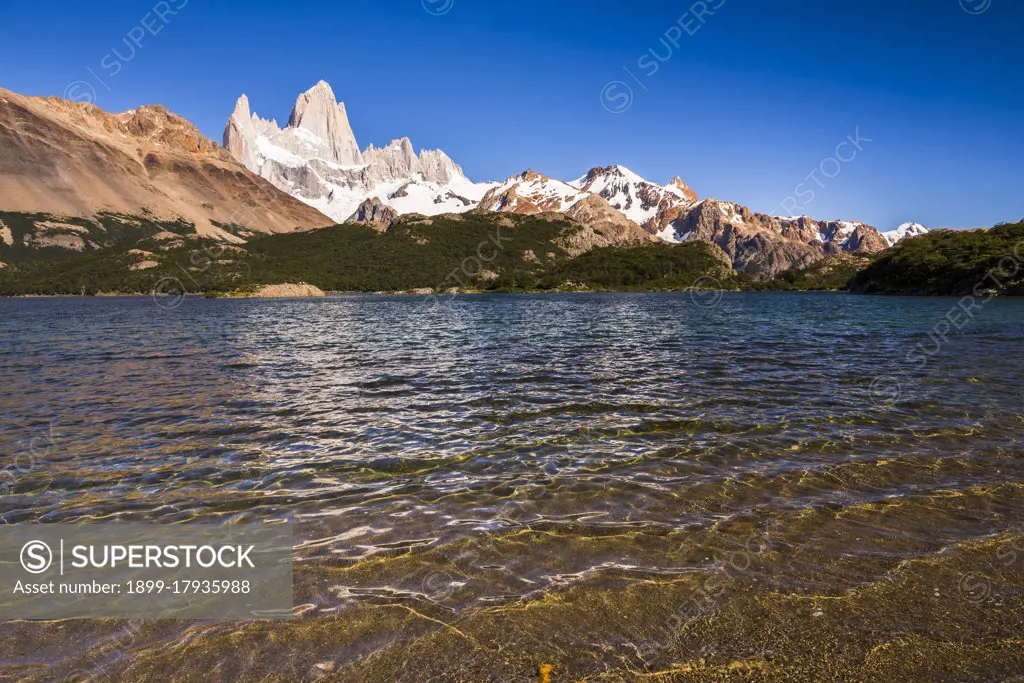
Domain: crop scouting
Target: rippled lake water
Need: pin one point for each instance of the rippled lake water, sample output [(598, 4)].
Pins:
[(623, 486)]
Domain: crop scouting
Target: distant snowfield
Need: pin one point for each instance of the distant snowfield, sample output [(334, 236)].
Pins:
[(404, 195), (430, 198), (904, 231)]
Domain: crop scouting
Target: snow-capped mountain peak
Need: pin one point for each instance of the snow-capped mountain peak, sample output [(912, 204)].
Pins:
[(316, 159), (608, 174), (531, 192), (319, 113), (680, 188), (904, 231), (640, 200)]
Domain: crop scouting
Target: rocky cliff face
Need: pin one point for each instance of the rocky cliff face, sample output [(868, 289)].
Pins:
[(763, 245), (316, 159), (602, 226), (374, 211), (70, 158), (745, 237), (318, 112)]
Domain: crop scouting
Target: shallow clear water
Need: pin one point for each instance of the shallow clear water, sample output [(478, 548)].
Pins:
[(498, 452)]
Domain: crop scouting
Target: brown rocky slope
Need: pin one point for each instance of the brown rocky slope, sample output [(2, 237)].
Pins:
[(620, 207), (69, 158), (763, 245)]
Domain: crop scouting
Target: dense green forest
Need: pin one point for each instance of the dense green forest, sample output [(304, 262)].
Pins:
[(948, 262), (475, 251), (38, 236), (488, 252), (648, 267), (440, 253), (831, 274)]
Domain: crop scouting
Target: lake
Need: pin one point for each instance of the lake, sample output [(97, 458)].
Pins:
[(761, 485)]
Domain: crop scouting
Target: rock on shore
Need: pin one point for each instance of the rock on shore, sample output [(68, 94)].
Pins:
[(288, 291)]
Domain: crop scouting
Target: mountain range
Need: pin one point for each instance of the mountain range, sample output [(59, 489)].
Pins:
[(316, 159), (72, 159)]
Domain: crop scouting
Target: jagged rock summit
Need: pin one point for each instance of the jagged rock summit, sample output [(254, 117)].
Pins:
[(683, 189), (530, 193), (318, 127), (317, 159), (318, 111)]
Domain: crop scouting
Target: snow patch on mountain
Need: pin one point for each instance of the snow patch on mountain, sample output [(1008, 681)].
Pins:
[(904, 231), (530, 193), (418, 195), (669, 235)]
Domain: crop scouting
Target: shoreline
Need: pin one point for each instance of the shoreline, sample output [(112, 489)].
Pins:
[(215, 296)]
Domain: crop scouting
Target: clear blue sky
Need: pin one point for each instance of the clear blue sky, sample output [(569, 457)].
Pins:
[(743, 109)]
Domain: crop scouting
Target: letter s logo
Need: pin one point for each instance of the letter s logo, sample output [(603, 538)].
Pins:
[(36, 557)]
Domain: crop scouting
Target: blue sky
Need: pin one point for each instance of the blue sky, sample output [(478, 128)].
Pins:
[(747, 100)]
